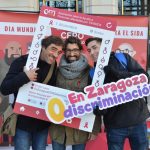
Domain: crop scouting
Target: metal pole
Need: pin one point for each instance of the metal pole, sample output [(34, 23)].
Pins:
[(77, 9), (44, 2), (122, 9), (143, 7)]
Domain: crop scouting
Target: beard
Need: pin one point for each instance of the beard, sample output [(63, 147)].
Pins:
[(10, 59), (70, 60)]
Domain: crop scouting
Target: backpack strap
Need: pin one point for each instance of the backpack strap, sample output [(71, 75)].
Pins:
[(49, 75), (92, 70), (122, 59)]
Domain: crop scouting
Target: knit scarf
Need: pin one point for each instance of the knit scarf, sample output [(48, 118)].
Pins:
[(74, 69)]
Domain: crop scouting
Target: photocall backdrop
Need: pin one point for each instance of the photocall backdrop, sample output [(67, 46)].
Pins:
[(131, 37)]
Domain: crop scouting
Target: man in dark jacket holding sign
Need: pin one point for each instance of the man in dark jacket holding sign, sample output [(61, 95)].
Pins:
[(31, 130), (127, 120)]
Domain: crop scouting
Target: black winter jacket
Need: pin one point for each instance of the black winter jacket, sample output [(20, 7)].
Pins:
[(15, 78), (130, 113)]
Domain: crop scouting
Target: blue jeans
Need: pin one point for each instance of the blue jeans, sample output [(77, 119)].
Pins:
[(57, 146), (137, 136), (23, 140)]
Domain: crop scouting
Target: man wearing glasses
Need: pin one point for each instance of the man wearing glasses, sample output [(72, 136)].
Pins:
[(126, 48), (73, 74)]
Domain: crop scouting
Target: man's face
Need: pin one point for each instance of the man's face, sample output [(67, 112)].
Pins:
[(93, 48), (72, 52), (13, 50), (50, 54), (126, 48)]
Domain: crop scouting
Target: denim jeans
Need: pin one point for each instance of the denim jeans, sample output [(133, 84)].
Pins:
[(137, 136), (23, 140), (57, 146)]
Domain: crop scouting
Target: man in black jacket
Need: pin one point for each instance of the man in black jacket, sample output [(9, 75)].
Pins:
[(30, 129), (127, 120)]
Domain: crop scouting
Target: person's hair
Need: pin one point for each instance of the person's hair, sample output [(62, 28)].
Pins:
[(72, 40), (99, 40), (51, 40)]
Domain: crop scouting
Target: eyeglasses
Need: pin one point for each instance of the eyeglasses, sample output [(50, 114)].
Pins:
[(124, 51), (75, 50)]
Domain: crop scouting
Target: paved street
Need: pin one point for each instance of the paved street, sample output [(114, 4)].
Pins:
[(49, 147)]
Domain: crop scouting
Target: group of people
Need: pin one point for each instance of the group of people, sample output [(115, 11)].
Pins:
[(73, 72)]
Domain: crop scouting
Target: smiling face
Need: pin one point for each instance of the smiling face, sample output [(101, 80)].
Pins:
[(13, 50), (50, 54), (93, 48), (72, 52), (126, 48)]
